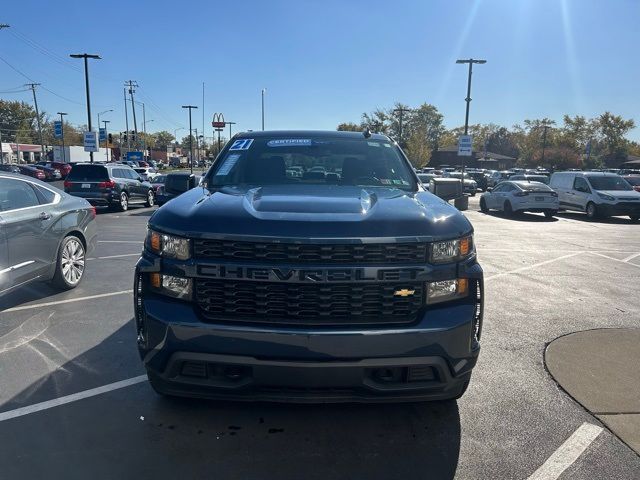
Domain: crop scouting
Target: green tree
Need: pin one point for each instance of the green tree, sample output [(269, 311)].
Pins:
[(18, 120), (612, 130), (163, 139), (349, 127)]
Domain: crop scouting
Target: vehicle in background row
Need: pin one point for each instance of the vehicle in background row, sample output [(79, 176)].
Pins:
[(146, 173), (9, 167), (530, 178), (109, 185), (469, 185), (33, 172), (63, 168), (157, 182), (634, 181), (598, 194), (261, 285), (426, 178), (50, 174), (513, 197), (176, 184), (45, 234), (496, 177), (480, 178)]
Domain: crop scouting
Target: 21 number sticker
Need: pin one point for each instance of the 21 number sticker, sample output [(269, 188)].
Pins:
[(242, 144)]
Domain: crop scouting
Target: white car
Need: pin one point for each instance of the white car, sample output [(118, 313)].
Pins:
[(147, 173), (598, 194), (520, 196)]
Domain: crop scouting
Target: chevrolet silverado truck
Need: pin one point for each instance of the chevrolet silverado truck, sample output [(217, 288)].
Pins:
[(309, 267)]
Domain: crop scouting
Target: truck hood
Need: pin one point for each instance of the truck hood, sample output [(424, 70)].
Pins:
[(309, 211)]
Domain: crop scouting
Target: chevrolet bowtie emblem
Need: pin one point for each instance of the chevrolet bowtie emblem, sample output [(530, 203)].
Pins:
[(405, 292)]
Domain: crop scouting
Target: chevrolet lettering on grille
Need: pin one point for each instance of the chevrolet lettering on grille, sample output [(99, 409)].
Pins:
[(313, 275)]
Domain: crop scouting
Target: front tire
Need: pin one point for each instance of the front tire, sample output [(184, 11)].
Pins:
[(70, 263), (592, 211), (483, 206), (634, 218), (550, 213), (151, 199)]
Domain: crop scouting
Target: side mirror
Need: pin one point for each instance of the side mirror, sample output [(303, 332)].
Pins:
[(140, 179), (489, 189)]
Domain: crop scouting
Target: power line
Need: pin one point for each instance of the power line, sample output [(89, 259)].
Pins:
[(44, 51)]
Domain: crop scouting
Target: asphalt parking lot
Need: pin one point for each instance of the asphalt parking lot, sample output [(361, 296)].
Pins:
[(73, 403)]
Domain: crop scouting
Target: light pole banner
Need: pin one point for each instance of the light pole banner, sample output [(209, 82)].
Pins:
[(91, 142)]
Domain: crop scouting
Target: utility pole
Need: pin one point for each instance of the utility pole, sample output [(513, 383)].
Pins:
[(126, 120), (131, 84), (197, 147), (470, 61), (190, 107), (33, 86), (401, 110), (64, 154), (86, 56), (263, 90), (3, 25)]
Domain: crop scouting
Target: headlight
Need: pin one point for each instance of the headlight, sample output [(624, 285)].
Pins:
[(168, 246), (447, 290), (606, 197), (176, 287), (451, 250)]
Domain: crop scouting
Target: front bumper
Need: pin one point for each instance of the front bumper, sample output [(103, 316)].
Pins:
[(618, 209), (431, 359)]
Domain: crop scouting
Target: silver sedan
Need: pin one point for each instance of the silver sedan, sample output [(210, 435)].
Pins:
[(45, 234)]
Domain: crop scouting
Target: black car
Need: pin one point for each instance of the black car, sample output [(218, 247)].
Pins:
[(109, 185), (480, 179), (175, 184), (45, 234), (259, 285)]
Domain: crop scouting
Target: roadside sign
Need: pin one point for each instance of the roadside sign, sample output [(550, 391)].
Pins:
[(103, 134), (91, 142), (57, 129), (465, 145), (134, 156)]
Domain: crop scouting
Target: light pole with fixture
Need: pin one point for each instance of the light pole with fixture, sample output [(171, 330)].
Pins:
[(86, 56)]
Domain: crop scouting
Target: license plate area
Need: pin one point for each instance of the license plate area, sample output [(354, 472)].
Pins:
[(85, 185), (539, 199)]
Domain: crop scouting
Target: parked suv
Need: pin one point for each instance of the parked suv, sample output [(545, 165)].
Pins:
[(109, 185), (262, 285), (598, 194)]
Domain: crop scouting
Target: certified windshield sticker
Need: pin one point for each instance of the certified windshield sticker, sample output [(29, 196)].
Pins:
[(289, 142), (228, 164), (242, 144), (385, 181), (373, 144)]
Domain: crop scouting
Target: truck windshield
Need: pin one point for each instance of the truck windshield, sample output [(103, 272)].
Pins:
[(612, 182), (313, 160)]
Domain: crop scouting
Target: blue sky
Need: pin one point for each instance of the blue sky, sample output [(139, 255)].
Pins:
[(327, 61)]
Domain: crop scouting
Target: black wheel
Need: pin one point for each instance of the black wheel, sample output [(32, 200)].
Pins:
[(69, 264), (592, 210), (151, 199), (634, 218), (550, 213), (508, 209), (124, 202), (483, 206)]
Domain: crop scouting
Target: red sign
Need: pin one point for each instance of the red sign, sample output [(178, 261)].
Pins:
[(218, 124)]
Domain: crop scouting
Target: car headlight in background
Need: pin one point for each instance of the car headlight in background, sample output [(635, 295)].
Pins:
[(446, 290), (176, 287), (451, 250), (169, 246), (604, 196)]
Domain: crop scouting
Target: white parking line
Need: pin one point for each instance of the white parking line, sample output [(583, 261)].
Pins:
[(69, 300), (567, 453), (615, 259), (631, 257), (38, 407), (522, 269)]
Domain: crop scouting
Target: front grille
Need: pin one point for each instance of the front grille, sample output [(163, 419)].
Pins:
[(628, 205), (379, 253), (307, 304)]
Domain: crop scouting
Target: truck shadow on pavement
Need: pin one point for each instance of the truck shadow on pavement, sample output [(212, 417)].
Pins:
[(583, 218), (132, 432)]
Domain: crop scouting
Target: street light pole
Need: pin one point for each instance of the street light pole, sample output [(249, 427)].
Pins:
[(64, 155), (3, 25), (190, 107), (86, 56), (470, 61), (230, 123), (106, 139)]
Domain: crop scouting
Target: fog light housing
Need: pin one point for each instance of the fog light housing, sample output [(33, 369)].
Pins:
[(446, 290)]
